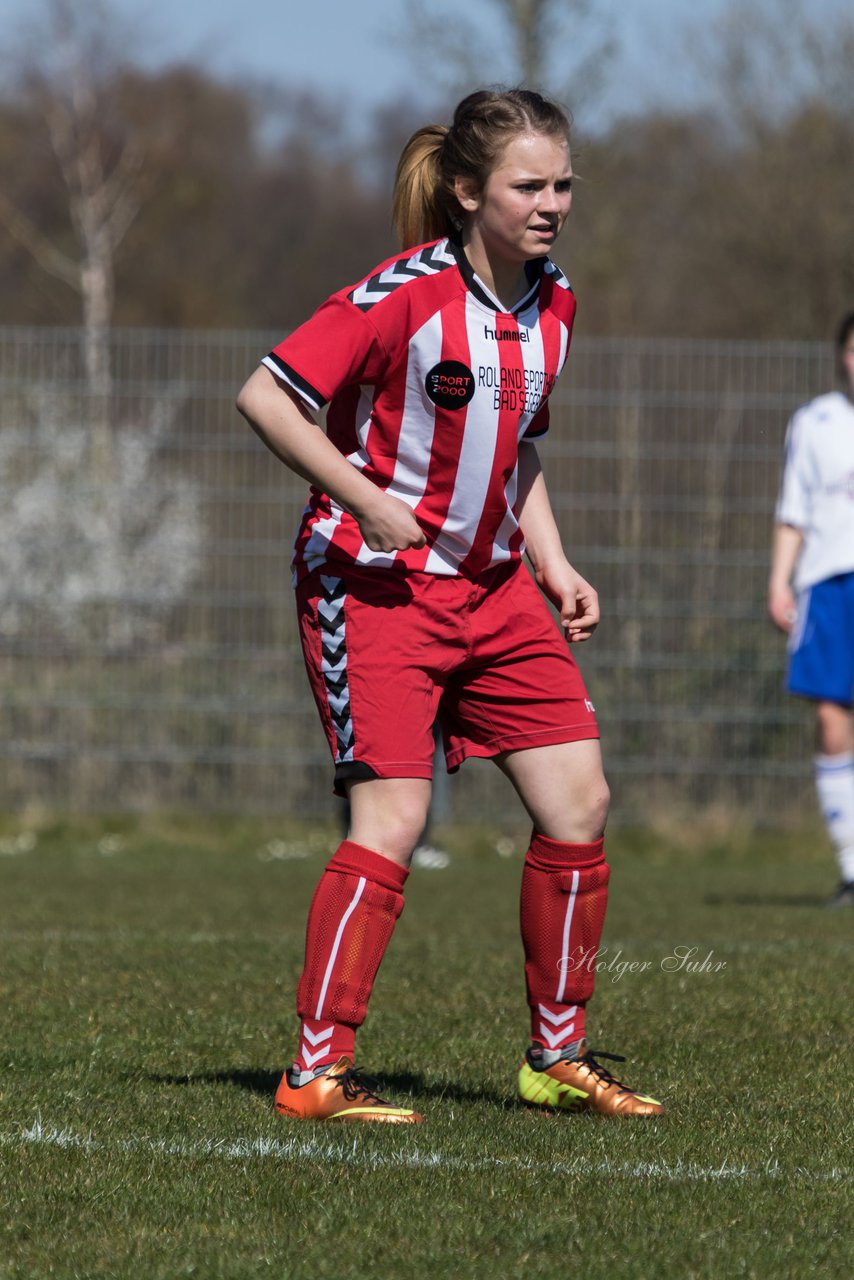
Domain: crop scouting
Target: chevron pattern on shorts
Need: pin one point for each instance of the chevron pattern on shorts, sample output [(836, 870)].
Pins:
[(333, 650), (426, 262)]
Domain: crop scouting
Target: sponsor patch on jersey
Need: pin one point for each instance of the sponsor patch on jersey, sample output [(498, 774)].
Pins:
[(450, 384)]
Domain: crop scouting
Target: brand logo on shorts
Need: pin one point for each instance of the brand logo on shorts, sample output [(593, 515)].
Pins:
[(449, 384)]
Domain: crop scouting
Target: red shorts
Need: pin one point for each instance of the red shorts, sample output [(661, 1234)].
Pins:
[(388, 654)]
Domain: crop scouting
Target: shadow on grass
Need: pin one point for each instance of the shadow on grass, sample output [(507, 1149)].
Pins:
[(264, 1084), (764, 900), (443, 1090)]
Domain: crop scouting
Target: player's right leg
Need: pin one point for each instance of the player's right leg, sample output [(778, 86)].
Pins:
[(359, 632), (350, 923), (821, 668)]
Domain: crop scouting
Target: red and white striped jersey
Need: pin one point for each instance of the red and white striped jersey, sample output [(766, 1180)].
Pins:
[(431, 386)]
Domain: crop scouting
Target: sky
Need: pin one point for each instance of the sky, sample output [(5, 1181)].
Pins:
[(351, 50), (354, 48)]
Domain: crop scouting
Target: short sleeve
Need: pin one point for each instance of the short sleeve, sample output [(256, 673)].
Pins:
[(794, 501), (337, 347), (539, 424)]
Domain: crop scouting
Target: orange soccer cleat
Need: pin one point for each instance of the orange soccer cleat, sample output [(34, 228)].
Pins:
[(340, 1092), (580, 1083)]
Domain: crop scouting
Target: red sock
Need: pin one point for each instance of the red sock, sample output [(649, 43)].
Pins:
[(350, 923), (564, 894)]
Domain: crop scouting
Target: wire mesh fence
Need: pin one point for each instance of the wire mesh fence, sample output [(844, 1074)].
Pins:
[(148, 644)]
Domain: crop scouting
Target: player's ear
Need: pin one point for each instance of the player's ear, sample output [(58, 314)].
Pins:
[(468, 196)]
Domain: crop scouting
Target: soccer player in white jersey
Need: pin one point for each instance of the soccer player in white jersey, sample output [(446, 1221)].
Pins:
[(413, 602), (811, 591)]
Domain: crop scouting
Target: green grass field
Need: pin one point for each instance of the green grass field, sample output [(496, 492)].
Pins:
[(147, 983)]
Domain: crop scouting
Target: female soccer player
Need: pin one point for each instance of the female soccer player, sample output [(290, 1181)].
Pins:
[(814, 544), (412, 597)]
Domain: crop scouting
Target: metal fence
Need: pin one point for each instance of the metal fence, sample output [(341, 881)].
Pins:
[(147, 640)]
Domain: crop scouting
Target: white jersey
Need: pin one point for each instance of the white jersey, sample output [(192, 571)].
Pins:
[(817, 492)]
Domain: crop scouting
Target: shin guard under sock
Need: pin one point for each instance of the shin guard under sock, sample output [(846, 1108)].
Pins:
[(350, 922), (564, 895)]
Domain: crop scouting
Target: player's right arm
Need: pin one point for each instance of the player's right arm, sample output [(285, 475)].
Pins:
[(278, 416), (790, 518), (785, 549)]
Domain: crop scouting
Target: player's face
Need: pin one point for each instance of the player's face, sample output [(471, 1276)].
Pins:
[(522, 209)]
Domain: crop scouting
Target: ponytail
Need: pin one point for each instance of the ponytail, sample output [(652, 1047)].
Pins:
[(418, 212), (425, 205)]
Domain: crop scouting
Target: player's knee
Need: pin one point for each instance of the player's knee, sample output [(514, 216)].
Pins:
[(404, 828), (598, 804), (835, 733), (391, 828), (584, 812)]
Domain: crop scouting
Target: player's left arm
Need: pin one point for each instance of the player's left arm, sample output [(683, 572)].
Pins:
[(571, 594)]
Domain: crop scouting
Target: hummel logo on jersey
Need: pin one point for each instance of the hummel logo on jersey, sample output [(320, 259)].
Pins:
[(506, 335), (449, 384)]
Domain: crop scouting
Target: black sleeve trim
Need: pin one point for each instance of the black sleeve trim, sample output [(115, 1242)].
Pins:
[(309, 394)]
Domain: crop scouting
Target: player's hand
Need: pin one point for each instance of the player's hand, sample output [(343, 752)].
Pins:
[(782, 607), (573, 596), (389, 525)]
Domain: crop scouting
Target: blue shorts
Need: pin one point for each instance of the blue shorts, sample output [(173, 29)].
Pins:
[(821, 643)]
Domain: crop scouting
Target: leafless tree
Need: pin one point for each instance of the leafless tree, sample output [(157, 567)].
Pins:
[(769, 60), (66, 73), (556, 46)]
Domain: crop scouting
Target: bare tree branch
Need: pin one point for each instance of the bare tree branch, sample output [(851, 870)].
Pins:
[(42, 250), (520, 48), (532, 23), (71, 79), (124, 190), (103, 198)]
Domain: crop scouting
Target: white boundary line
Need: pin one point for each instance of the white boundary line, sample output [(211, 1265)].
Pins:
[(317, 1151)]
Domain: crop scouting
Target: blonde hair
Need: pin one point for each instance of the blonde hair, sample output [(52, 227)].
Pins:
[(425, 206), (418, 208)]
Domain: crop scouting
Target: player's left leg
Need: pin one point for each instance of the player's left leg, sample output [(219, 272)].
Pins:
[(821, 668), (564, 896), (563, 788), (520, 700), (834, 779)]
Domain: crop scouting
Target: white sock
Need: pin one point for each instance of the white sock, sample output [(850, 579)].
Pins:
[(834, 781)]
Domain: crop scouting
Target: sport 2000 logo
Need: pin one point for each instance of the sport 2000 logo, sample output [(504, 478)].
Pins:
[(449, 384)]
